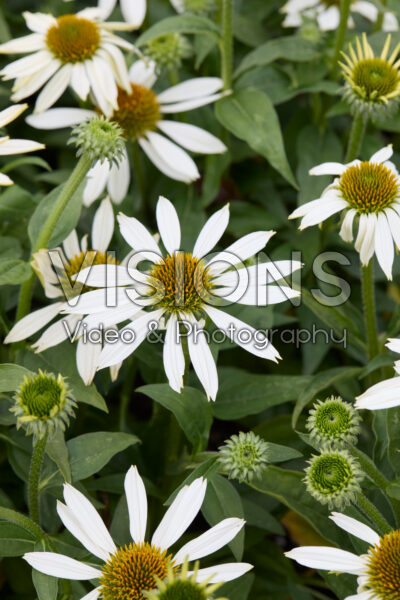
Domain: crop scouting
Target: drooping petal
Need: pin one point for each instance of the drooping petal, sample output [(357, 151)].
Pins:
[(173, 357), (103, 226), (11, 113), (73, 526), (327, 559), (58, 565), (96, 182), (354, 527), (137, 504), (58, 118), (222, 573), (162, 165), (384, 394), (192, 88), (87, 358), (210, 541), (192, 138), (346, 230), (202, 360), (33, 322), (174, 157), (71, 245), (384, 249), (54, 88), (119, 179), (59, 331), (168, 225)]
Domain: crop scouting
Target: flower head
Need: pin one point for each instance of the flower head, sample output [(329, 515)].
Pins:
[(372, 83), (384, 394), (43, 403), (333, 423), (128, 571), (180, 290), (365, 191), (79, 50), (377, 570), (333, 478), (99, 138), (244, 456), (168, 51), (179, 585)]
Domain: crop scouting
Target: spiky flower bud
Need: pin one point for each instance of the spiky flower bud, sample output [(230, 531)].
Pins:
[(42, 404), (169, 50), (180, 586), (333, 423), (244, 456), (99, 138), (333, 478)]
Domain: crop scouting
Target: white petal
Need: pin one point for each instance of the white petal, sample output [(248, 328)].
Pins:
[(58, 118), (211, 232), (384, 245), (382, 154), (186, 105), (241, 250), (203, 361), (137, 236), (53, 89), (88, 518), (384, 394), (143, 73), (210, 541), (26, 66), (328, 168), (105, 275), (354, 527), (5, 179), (368, 595), (260, 274), (56, 333), (39, 22), (96, 182), (222, 573), (255, 343), (93, 595), (107, 6), (173, 357), (394, 224), (103, 226), (27, 43), (32, 83), (322, 211), (172, 155), (73, 526), (162, 165), (168, 225), (366, 9), (119, 179), (393, 344), (33, 322), (327, 559), (87, 359), (58, 565), (180, 514), (390, 22), (137, 504), (367, 243), (98, 84), (11, 113), (9, 147), (71, 245), (192, 138), (134, 11), (193, 88), (328, 20), (346, 230)]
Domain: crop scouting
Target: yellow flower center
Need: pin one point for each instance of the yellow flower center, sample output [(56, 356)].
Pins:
[(375, 78), (75, 265), (132, 570), (369, 187), (73, 39), (138, 111), (181, 282), (384, 567)]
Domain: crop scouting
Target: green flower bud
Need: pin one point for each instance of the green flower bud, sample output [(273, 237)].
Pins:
[(333, 423), (244, 456), (100, 139), (169, 50)]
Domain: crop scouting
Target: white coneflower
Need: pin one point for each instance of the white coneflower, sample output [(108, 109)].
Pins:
[(129, 571), (384, 394), (368, 191), (327, 13), (9, 146), (56, 270), (378, 572), (78, 50), (180, 289), (141, 114)]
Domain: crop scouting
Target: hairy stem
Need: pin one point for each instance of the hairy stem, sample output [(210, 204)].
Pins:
[(34, 477), (341, 33), (356, 136), (373, 513), (227, 43)]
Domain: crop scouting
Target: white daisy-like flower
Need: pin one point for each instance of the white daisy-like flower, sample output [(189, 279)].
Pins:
[(141, 113), (180, 290), (56, 270), (327, 13), (77, 50), (384, 394), (133, 11), (368, 190), (8, 146), (377, 570), (127, 571)]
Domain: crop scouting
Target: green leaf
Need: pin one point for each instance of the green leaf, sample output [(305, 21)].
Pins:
[(241, 394), (190, 408), (179, 24), (291, 48), (250, 115), (46, 586), (239, 589), (57, 449), (24, 522), (221, 502), (68, 218), (15, 540), (11, 376), (393, 433), (26, 160), (14, 271), (9, 247), (90, 452), (15, 203), (277, 453), (320, 382)]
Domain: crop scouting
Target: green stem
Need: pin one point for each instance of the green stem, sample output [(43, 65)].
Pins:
[(368, 296), (138, 170), (227, 43), (356, 136), (373, 513), (369, 468), (34, 477), (70, 187), (341, 32)]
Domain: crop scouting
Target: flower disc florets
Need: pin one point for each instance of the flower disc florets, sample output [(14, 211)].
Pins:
[(178, 586), (333, 478), (43, 403), (100, 139), (333, 423), (74, 39), (369, 187), (244, 456), (372, 83), (169, 50), (78, 263), (383, 568), (138, 111)]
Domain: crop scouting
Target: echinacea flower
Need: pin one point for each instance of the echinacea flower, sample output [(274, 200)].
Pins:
[(180, 289), (140, 113), (8, 146), (384, 394), (128, 571), (56, 269), (327, 13), (77, 50), (368, 191), (377, 570), (372, 82)]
